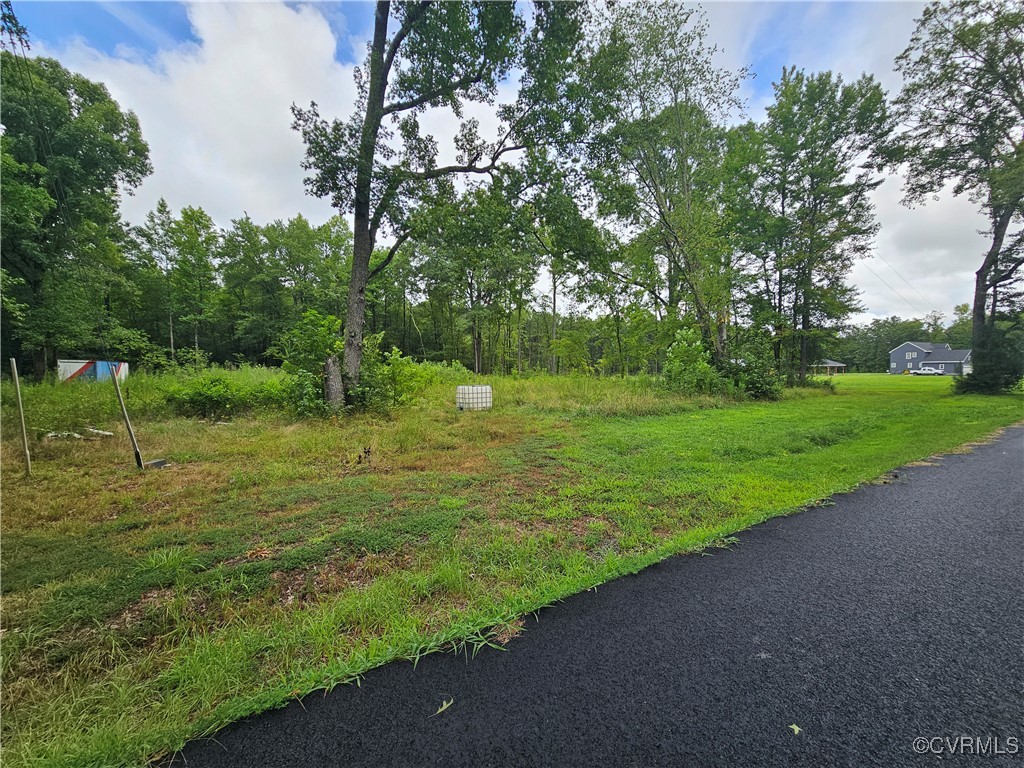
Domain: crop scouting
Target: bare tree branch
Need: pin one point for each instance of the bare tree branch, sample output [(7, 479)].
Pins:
[(391, 255)]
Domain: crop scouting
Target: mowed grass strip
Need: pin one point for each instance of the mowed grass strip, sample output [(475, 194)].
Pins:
[(275, 558)]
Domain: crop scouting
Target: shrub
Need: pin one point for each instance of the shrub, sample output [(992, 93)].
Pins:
[(217, 394), (303, 351), (304, 392), (754, 372), (688, 367)]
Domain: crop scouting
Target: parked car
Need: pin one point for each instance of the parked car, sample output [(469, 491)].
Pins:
[(927, 370)]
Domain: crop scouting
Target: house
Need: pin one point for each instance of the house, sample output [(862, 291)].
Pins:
[(912, 355), (828, 367)]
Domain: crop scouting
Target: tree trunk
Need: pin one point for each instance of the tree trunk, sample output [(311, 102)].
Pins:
[(363, 236), (519, 338), (333, 385), (982, 280), (553, 366), (478, 348), (39, 363), (618, 344)]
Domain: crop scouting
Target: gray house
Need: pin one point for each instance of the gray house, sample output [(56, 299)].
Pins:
[(912, 355)]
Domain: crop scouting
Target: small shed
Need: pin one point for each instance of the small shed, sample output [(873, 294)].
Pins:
[(829, 367), (91, 370)]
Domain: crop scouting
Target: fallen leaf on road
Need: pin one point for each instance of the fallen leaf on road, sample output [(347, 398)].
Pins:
[(447, 703), (795, 728)]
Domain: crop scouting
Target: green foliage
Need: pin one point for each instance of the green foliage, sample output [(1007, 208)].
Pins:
[(218, 394), (440, 54), (68, 151), (961, 102), (754, 371), (801, 206), (308, 345), (658, 157), (998, 363), (385, 380), (688, 366), (305, 394), (303, 351)]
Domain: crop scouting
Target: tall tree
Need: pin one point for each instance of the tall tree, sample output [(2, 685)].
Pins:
[(195, 241), (658, 160), (69, 151), (479, 246), (437, 55), (962, 109), (809, 213)]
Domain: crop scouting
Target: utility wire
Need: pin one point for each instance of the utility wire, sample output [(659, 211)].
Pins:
[(927, 301), (886, 284)]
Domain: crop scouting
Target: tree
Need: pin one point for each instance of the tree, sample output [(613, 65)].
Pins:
[(658, 159), (479, 245), (808, 213), (962, 109), (865, 348), (438, 55), (68, 152), (195, 241)]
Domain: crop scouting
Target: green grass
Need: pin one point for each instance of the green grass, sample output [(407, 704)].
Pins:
[(275, 557)]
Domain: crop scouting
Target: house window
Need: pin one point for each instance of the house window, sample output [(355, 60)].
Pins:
[(908, 355), (915, 354), (942, 366), (892, 365)]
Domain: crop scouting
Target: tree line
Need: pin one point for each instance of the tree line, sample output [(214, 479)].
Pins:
[(625, 201)]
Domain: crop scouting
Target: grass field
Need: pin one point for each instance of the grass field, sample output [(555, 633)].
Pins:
[(275, 557)]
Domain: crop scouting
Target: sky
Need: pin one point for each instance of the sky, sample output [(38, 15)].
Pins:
[(212, 84)]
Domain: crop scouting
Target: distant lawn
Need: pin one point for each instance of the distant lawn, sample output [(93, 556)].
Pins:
[(275, 558)]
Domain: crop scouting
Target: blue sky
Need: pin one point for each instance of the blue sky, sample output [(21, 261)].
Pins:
[(150, 26), (212, 84), (116, 26)]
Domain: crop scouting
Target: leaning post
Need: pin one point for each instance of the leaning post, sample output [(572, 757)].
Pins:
[(21, 414), (124, 412)]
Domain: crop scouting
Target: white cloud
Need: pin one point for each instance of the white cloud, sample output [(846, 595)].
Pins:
[(137, 23), (925, 257), (216, 113)]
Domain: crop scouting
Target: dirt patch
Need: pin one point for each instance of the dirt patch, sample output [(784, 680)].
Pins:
[(506, 633), (987, 440), (334, 576), (290, 585), (253, 555), (136, 612)]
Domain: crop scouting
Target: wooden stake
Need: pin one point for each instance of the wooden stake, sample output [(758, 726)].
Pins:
[(124, 412), (21, 413)]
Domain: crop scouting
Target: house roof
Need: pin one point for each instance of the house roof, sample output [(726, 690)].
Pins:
[(829, 364), (948, 356), (927, 346)]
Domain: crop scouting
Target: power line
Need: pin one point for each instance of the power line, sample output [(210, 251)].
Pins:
[(886, 284), (901, 277)]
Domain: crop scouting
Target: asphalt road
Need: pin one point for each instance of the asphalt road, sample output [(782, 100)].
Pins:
[(896, 614)]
